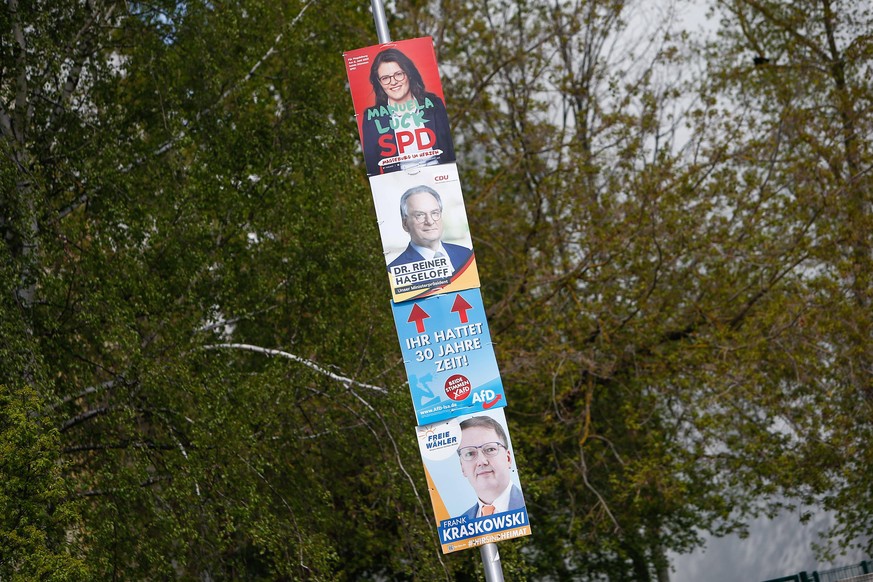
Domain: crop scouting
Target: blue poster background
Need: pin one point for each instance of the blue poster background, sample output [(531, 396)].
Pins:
[(448, 355)]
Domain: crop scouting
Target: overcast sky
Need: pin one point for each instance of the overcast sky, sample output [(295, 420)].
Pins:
[(781, 547)]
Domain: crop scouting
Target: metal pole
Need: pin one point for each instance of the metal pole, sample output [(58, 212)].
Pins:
[(490, 555), (381, 22), (491, 561)]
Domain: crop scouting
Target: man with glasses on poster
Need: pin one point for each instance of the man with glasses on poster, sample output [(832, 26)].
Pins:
[(427, 257), (486, 462)]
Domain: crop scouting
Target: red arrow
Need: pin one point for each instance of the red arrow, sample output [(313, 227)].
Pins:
[(418, 315), (487, 405), (460, 306)]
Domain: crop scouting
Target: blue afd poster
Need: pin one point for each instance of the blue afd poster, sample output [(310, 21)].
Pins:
[(448, 355)]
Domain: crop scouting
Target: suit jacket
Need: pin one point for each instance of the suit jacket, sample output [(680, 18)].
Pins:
[(516, 501), (458, 256)]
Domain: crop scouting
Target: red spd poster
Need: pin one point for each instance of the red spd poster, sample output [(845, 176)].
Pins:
[(399, 105)]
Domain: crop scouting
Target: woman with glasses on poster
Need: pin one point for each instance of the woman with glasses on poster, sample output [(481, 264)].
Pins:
[(408, 127)]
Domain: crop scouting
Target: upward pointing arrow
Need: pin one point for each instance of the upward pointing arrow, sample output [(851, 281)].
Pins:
[(460, 306), (418, 315)]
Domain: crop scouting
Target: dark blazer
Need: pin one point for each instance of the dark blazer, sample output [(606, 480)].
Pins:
[(437, 121), (516, 501), (458, 256)]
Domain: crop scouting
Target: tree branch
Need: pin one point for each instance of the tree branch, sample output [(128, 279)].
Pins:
[(88, 414), (85, 392), (270, 352), (170, 143), (402, 468), (785, 27)]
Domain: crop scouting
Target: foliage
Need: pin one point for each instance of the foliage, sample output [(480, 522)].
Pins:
[(805, 105), (674, 239), (183, 180), (200, 376), (37, 519)]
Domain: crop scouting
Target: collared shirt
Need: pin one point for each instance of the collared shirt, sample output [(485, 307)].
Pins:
[(500, 504), (429, 255)]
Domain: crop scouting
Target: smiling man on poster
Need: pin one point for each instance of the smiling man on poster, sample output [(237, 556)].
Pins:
[(479, 444), (486, 463), (421, 214)]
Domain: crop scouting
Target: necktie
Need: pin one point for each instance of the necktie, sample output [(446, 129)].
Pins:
[(487, 510)]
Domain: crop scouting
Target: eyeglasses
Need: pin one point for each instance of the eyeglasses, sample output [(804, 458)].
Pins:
[(419, 217), (398, 76), (488, 449)]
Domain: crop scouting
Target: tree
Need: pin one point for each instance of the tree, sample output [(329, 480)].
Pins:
[(200, 376), (807, 107), (35, 503), (676, 264), (188, 232)]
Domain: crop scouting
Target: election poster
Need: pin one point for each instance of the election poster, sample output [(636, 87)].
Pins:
[(454, 381), (449, 358), (473, 481), (425, 233), (399, 105)]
